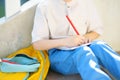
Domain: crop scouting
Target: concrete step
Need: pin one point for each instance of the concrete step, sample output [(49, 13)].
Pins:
[(57, 76)]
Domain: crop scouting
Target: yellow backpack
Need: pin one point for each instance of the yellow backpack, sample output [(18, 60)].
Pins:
[(40, 74)]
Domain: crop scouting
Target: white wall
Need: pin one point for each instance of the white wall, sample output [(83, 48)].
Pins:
[(110, 14)]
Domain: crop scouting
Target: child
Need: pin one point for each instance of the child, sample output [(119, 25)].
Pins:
[(52, 31)]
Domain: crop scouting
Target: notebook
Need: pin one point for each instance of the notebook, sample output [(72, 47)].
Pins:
[(71, 48)]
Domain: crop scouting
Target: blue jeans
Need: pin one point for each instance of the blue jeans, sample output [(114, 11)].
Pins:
[(86, 61)]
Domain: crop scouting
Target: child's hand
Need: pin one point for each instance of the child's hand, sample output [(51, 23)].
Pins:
[(87, 40), (73, 41)]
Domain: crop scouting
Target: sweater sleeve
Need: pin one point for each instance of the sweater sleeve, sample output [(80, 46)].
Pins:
[(40, 26)]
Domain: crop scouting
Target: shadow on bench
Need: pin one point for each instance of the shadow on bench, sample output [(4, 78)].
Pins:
[(57, 76)]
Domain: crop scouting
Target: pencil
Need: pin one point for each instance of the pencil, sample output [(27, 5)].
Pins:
[(72, 25)]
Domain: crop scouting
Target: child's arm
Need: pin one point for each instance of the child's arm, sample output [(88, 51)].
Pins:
[(71, 41), (47, 44)]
